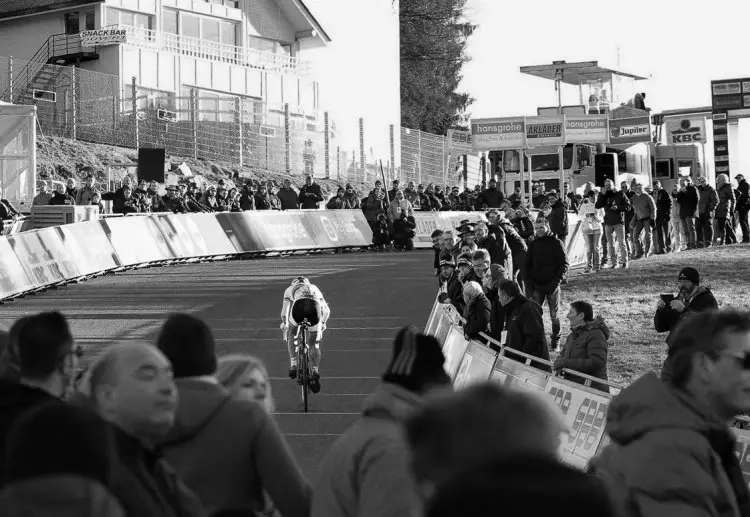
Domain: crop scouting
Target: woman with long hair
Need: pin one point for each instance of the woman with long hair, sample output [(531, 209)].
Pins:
[(246, 376)]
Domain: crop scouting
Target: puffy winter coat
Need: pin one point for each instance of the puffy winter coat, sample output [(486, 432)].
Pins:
[(585, 351)]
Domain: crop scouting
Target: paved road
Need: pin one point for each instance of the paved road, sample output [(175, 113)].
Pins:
[(371, 295)]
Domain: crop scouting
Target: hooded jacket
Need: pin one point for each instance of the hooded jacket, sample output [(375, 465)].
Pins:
[(58, 496), (688, 202), (585, 351), (288, 198), (367, 472), (451, 289), (491, 198), (663, 202), (477, 310), (396, 207), (228, 451), (16, 399), (373, 206), (708, 200), (669, 457), (644, 206), (558, 220), (498, 249), (310, 196)]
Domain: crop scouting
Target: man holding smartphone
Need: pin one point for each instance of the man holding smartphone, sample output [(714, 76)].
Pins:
[(672, 309)]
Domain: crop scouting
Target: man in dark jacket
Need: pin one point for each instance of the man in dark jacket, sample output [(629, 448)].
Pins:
[(708, 200), (691, 299), (131, 387), (743, 206), (498, 248), (518, 247), (47, 359), (725, 210), (288, 197), (451, 288), (310, 194), (546, 266), (491, 197), (688, 198), (523, 323), (558, 219), (616, 205), (663, 202)]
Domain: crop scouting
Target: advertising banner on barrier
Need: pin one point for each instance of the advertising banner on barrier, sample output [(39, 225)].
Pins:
[(586, 129), (494, 134), (13, 277), (514, 374), (432, 321), (207, 234), (585, 413), (454, 348), (176, 236), (476, 365), (279, 231), (428, 222), (43, 256), (334, 228), (88, 245), (134, 240), (576, 242), (240, 230)]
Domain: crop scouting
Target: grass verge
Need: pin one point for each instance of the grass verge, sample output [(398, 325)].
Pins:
[(626, 299)]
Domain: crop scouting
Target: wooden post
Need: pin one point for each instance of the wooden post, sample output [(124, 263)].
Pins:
[(10, 78), (134, 92), (74, 98), (287, 140), (362, 149), (327, 137), (194, 120), (238, 118), (392, 163)]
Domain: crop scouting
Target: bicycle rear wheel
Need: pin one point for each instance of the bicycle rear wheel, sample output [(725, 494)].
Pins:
[(304, 369)]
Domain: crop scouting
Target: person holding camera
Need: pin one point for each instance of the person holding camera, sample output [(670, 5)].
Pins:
[(671, 309), (615, 205)]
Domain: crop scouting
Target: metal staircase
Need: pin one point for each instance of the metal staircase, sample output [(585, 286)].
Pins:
[(61, 50)]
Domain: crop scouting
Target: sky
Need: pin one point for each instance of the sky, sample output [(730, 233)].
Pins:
[(358, 72)]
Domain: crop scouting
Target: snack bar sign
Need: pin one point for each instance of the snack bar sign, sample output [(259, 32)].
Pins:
[(493, 134), (103, 37), (629, 130)]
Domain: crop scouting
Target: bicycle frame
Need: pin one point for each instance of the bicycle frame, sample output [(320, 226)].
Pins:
[(302, 350)]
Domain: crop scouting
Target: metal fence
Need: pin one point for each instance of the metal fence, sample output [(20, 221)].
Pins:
[(243, 132)]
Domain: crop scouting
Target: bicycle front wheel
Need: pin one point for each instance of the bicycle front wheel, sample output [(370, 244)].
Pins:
[(305, 370)]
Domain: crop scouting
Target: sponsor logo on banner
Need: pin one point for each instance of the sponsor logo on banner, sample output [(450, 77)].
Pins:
[(542, 131), (43, 256), (13, 277), (629, 130), (516, 375), (585, 414), (498, 133), (102, 37), (240, 229), (87, 243), (458, 142), (686, 131), (285, 230), (586, 129), (208, 235)]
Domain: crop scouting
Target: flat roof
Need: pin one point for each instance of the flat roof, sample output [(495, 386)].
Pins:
[(14, 8), (572, 72)]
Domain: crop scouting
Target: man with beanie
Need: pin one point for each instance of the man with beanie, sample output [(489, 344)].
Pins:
[(226, 449), (450, 290), (671, 451), (691, 299), (47, 360), (60, 462), (367, 471)]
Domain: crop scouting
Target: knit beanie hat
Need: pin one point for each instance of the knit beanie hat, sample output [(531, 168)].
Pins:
[(690, 274), (58, 438), (416, 358), (189, 345)]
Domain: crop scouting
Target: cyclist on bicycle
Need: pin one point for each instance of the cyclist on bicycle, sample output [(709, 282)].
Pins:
[(303, 300)]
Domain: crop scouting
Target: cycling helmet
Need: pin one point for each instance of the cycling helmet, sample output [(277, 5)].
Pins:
[(300, 280)]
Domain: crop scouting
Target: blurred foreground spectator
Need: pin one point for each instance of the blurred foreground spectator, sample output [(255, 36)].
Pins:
[(246, 377), (60, 462), (131, 387), (672, 452), (47, 360), (367, 473), (227, 449), (456, 433)]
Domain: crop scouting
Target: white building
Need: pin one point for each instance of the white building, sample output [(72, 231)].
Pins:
[(248, 48)]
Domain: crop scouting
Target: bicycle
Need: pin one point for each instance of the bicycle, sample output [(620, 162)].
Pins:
[(302, 350)]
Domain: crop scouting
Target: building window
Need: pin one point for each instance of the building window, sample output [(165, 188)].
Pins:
[(229, 33), (211, 31), (226, 3), (129, 19), (190, 26), (72, 23), (169, 21)]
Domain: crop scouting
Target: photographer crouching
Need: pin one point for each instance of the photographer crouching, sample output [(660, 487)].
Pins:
[(671, 309)]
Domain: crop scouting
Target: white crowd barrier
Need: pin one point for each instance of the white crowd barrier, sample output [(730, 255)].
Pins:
[(428, 222), (39, 259), (585, 408)]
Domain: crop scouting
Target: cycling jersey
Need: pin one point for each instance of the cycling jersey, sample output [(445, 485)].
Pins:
[(305, 301)]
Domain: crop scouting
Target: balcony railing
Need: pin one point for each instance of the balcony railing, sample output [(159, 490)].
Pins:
[(198, 48)]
